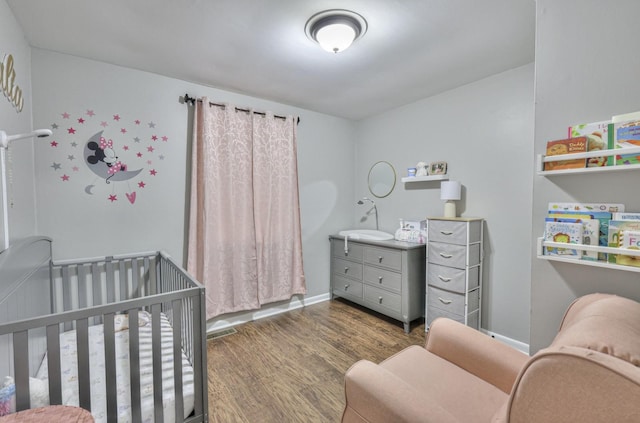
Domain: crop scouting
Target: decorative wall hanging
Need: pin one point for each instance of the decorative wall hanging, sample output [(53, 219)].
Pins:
[(10, 89), (123, 155)]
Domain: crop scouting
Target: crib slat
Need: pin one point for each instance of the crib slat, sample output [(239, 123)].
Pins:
[(97, 285), (124, 286), (66, 294), (111, 289), (53, 362), (134, 360), (156, 343), (21, 369), (135, 274), (84, 376), (148, 290), (110, 368), (199, 354), (82, 286), (177, 360)]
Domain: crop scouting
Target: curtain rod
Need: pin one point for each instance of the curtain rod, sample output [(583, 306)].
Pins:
[(191, 101)]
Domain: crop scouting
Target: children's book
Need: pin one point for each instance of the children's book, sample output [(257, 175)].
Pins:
[(590, 233), (599, 137), (603, 219), (625, 216), (566, 146), (629, 240), (627, 135), (564, 232), (615, 228)]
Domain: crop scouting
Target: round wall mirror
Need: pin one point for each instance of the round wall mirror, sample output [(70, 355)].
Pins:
[(382, 179)]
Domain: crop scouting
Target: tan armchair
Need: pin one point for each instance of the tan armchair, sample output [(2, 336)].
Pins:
[(588, 374)]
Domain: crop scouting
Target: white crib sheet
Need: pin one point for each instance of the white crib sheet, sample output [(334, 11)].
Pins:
[(69, 370)]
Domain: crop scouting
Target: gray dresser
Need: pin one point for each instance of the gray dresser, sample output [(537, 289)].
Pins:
[(454, 270), (385, 276)]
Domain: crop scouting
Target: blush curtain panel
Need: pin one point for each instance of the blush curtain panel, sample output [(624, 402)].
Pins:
[(245, 241)]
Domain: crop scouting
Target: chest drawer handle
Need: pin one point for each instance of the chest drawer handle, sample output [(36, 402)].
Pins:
[(379, 259), (346, 287), (443, 279), (346, 269), (446, 233), (380, 300), (447, 256), (443, 301), (379, 279)]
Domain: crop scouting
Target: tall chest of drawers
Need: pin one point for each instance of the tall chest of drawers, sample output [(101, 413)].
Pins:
[(385, 276), (454, 270)]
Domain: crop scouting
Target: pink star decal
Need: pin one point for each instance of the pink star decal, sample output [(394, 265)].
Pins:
[(165, 138), (64, 177), (137, 121), (124, 131), (54, 143), (65, 115), (71, 130), (125, 147), (139, 154), (116, 117), (75, 168), (90, 113), (141, 184), (113, 198), (153, 172), (150, 149), (154, 137), (103, 124), (149, 162), (80, 120)]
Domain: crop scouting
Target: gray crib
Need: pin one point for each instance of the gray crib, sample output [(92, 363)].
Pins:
[(42, 300)]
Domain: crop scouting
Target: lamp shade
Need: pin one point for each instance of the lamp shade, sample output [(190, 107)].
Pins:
[(450, 190), (335, 30)]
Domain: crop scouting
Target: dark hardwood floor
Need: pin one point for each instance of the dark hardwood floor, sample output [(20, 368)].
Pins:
[(290, 368)]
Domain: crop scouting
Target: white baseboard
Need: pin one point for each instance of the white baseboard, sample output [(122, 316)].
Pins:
[(521, 346), (225, 322)]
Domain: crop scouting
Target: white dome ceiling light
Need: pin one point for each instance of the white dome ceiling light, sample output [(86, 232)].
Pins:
[(335, 30)]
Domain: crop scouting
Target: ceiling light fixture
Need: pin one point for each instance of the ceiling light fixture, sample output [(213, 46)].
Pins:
[(335, 30)]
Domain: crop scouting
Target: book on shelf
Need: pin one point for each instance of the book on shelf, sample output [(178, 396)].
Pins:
[(616, 227), (629, 240), (627, 135), (590, 233), (563, 232), (625, 216), (566, 146), (599, 137)]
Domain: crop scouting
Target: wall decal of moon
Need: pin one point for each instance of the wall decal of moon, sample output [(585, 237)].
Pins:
[(88, 189), (102, 169)]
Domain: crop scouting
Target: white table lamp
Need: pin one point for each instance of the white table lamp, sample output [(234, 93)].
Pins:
[(450, 193)]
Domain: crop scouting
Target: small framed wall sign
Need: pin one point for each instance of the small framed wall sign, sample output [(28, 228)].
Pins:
[(438, 168)]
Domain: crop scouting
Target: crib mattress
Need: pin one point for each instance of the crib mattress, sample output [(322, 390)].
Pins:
[(69, 371)]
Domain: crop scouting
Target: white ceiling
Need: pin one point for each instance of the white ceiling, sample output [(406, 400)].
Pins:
[(413, 48)]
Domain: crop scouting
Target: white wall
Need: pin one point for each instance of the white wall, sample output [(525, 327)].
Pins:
[(586, 71), (87, 225), (20, 182), (484, 131)]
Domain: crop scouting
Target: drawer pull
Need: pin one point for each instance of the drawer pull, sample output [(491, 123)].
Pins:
[(443, 279), (379, 259), (446, 233), (346, 287), (447, 256), (379, 279), (380, 300), (346, 269), (443, 301)]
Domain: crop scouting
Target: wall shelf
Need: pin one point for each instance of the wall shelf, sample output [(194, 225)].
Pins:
[(583, 247), (410, 179), (542, 159)]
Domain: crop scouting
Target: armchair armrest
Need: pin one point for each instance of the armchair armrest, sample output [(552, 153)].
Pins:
[(477, 353), (375, 395)]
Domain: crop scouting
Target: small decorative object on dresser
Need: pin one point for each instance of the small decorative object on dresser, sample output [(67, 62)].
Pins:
[(450, 192), (438, 168)]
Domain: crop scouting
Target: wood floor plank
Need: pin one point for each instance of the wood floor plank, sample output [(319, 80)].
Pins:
[(290, 367)]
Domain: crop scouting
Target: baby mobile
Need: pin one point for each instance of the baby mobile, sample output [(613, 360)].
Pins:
[(123, 158)]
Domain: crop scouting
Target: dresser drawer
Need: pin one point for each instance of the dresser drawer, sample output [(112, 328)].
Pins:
[(383, 298), (344, 286), (433, 313), (452, 278), (453, 255), (383, 278), (355, 250), (347, 268), (385, 257), (448, 231), (445, 300)]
